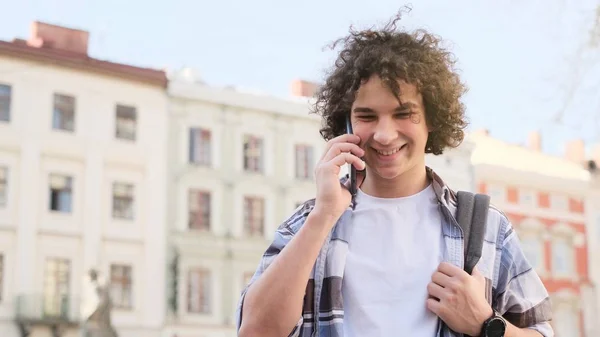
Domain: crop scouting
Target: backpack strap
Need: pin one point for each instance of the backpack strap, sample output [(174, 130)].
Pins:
[(471, 216)]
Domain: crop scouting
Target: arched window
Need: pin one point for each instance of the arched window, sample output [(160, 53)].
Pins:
[(563, 259), (563, 251), (533, 248), (532, 235)]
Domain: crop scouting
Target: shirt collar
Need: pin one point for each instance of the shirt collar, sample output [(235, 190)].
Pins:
[(444, 194)]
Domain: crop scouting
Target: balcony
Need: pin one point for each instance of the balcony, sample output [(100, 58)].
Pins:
[(57, 312)]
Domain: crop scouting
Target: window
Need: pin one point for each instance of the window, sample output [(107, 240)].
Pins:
[(56, 287), (253, 154), (527, 198), (61, 193), (5, 98), (533, 249), (563, 259), (496, 193), (254, 216), (64, 113), (559, 202), (1, 276), (199, 210), (3, 186), (123, 201), (200, 142), (304, 161), (121, 286), (126, 122), (199, 291)]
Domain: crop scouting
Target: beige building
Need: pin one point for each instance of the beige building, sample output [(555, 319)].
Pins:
[(554, 208), (240, 163), (592, 207), (82, 185)]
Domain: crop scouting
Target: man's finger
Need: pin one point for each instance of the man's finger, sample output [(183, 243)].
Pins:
[(345, 138), (338, 148), (450, 269), (441, 279), (478, 275), (435, 290), (434, 306), (348, 158)]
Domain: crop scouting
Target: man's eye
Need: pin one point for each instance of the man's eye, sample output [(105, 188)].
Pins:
[(365, 117), (404, 115)]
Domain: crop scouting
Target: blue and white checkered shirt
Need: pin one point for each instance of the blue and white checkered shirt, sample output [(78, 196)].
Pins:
[(512, 286)]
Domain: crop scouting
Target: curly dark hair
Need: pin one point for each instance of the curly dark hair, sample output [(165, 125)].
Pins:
[(391, 53)]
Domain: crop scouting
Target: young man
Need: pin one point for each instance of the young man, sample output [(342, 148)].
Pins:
[(390, 263)]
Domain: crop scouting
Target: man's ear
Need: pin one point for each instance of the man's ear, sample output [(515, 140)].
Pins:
[(430, 129)]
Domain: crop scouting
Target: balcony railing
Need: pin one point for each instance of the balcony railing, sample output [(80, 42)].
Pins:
[(47, 309)]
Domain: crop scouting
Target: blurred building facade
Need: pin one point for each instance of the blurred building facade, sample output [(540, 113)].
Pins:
[(82, 185), (592, 207), (173, 195), (547, 198), (239, 164)]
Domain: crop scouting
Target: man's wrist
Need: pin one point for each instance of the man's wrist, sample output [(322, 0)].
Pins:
[(485, 316), (322, 218), (494, 326)]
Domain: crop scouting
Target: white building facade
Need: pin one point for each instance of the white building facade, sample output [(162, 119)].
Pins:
[(82, 185), (239, 164)]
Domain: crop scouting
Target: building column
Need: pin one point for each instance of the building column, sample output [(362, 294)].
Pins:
[(155, 226), (27, 219), (94, 180)]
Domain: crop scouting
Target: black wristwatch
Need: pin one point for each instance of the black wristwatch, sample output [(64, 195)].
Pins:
[(494, 326)]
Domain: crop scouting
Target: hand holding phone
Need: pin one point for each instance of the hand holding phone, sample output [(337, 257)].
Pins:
[(353, 187), (333, 198)]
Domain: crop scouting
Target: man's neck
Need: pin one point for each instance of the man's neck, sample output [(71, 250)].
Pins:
[(409, 183)]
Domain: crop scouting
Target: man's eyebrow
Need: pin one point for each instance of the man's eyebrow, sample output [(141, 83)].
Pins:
[(403, 106), (409, 104), (363, 109)]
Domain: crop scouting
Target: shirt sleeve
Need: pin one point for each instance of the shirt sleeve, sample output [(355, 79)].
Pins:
[(521, 297), (283, 236)]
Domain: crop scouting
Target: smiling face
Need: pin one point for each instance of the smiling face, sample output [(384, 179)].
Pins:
[(393, 133)]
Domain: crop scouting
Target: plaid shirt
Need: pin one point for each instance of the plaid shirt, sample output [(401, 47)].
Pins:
[(512, 286)]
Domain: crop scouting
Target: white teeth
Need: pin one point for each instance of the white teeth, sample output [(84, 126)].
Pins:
[(388, 153)]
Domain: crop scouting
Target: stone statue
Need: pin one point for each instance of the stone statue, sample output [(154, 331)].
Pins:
[(95, 310)]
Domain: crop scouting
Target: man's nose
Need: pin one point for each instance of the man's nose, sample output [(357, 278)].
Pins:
[(385, 132)]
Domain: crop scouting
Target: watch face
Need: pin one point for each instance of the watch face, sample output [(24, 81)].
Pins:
[(495, 328)]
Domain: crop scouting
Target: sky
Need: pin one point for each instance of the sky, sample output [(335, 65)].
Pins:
[(519, 59)]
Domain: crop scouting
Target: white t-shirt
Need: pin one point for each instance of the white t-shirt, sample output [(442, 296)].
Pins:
[(395, 245)]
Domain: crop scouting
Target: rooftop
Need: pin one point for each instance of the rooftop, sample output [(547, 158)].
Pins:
[(68, 47)]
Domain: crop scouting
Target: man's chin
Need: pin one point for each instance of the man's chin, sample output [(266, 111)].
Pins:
[(389, 173)]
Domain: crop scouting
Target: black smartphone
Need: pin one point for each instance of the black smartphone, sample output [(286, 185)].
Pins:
[(352, 168)]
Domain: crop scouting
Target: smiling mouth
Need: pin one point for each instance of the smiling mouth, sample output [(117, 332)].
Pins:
[(389, 152)]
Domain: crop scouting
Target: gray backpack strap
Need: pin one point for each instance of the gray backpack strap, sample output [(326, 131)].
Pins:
[(471, 216)]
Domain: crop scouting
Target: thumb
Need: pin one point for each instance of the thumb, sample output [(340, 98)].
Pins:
[(477, 274)]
